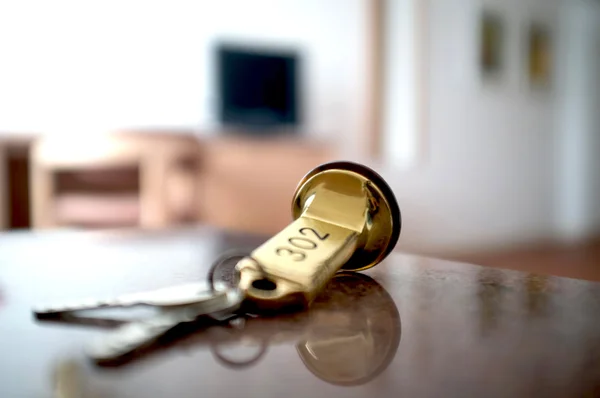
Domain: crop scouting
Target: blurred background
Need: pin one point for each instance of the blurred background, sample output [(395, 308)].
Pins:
[(482, 115)]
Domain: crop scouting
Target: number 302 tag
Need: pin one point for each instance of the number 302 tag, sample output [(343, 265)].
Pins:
[(299, 245)]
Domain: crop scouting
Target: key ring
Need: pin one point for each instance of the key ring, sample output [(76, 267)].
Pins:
[(236, 255), (227, 256)]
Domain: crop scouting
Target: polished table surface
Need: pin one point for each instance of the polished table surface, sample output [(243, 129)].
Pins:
[(411, 326)]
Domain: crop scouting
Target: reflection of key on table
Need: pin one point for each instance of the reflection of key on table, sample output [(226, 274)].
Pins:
[(337, 339)]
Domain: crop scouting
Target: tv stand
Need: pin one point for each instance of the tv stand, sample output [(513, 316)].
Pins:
[(245, 132)]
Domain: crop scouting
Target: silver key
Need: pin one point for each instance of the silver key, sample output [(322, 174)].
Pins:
[(140, 334), (173, 296)]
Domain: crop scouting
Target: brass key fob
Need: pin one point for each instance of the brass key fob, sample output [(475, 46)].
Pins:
[(346, 217)]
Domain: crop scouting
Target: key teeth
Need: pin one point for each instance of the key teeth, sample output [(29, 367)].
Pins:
[(101, 353), (52, 310), (49, 310), (105, 348), (131, 339)]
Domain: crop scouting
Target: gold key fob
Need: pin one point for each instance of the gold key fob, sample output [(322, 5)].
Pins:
[(345, 217)]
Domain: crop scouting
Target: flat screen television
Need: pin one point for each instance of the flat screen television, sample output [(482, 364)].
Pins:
[(257, 88)]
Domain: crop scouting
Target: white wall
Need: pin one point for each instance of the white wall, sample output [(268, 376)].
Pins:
[(68, 66), (400, 111), (578, 180), (487, 178), (594, 147)]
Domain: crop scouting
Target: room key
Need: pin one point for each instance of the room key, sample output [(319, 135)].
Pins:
[(346, 217)]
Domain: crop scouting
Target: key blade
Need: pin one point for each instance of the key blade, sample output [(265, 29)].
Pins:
[(175, 296), (172, 296)]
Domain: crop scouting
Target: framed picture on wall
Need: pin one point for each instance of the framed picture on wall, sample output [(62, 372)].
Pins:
[(491, 45), (538, 55)]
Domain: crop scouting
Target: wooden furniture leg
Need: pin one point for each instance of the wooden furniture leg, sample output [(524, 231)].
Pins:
[(41, 189), (152, 196)]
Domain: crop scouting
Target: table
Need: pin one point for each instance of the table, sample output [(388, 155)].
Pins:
[(411, 327)]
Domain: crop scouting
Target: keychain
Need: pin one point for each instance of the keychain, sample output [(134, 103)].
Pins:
[(345, 218)]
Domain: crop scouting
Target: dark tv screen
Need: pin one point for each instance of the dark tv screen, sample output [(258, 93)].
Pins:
[(257, 89)]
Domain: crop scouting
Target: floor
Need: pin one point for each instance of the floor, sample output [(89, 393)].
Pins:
[(581, 261)]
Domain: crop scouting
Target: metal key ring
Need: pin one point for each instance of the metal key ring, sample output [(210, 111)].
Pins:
[(222, 259), (227, 256), (264, 345)]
